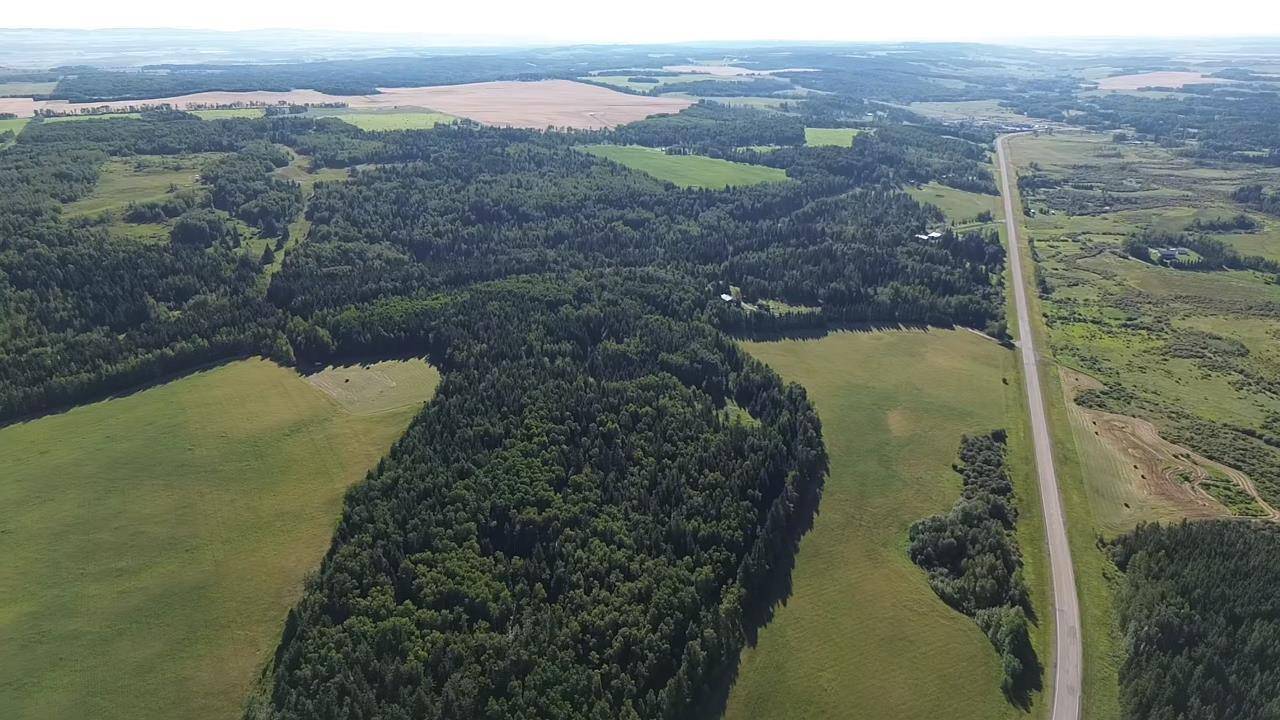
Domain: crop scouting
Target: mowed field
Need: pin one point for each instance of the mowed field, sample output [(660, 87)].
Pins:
[(830, 136), (153, 543), (393, 120), (863, 635), (960, 206), (538, 104), (688, 170)]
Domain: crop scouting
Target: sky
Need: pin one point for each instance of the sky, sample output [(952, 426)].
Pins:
[(644, 21)]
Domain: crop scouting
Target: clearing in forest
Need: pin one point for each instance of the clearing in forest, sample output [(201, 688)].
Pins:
[(960, 206), (830, 136), (863, 634), (153, 543), (688, 170)]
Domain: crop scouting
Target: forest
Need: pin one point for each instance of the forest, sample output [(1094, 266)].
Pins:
[(972, 558), (1198, 613), (604, 499)]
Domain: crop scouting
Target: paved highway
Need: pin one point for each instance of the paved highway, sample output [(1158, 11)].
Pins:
[(1067, 654)]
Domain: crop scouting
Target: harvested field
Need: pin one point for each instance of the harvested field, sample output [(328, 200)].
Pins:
[(1170, 78), (1150, 477), (541, 104)]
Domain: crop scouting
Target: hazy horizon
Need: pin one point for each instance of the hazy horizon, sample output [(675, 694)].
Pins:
[(504, 22)]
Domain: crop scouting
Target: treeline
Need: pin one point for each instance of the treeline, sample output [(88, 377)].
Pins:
[(1200, 621), (971, 555), (1212, 122), (1258, 198), (572, 528)]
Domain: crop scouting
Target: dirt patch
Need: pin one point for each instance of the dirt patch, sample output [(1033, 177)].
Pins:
[(1168, 473), (1166, 79), (541, 104)]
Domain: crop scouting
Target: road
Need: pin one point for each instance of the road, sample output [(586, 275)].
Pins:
[(1067, 651)]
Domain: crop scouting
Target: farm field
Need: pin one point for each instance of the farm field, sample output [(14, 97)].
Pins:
[(26, 88), (830, 136), (537, 104), (1193, 353), (406, 120), (960, 206), (688, 170), (1169, 78), (154, 542), (863, 630), (228, 113)]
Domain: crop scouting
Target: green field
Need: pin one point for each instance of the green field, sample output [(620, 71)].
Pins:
[(224, 113), (26, 89), (12, 124), (863, 635), (687, 170), (394, 120), (153, 543), (138, 179), (830, 136), (985, 110), (960, 206), (104, 116)]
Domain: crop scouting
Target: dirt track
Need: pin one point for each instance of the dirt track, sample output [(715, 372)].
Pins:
[(1067, 661)]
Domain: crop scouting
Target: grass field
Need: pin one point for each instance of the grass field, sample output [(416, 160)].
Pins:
[(26, 89), (100, 116), (960, 206), (687, 170), (830, 136), (138, 179), (985, 110), (12, 124), (153, 543), (225, 113), (396, 120), (863, 635)]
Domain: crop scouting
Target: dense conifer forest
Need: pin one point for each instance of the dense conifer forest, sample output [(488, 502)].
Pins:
[(1200, 620), (605, 497)]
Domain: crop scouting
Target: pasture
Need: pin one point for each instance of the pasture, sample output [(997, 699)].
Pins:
[(842, 137), (154, 542), (863, 634), (687, 170)]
